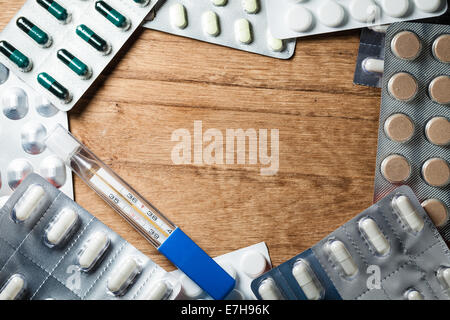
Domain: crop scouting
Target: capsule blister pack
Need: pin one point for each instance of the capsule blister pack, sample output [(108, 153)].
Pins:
[(51, 248), (237, 24), (25, 119), (414, 132), (299, 18), (60, 47), (243, 265), (390, 251)]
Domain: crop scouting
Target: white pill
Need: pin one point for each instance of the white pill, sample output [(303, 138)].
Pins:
[(428, 5), (414, 295), (178, 16), (61, 228), (396, 9), (276, 45), (243, 31), (123, 275), (299, 19), (373, 65), (365, 11), (13, 288), (229, 269), (331, 14), (445, 276), (253, 264), (250, 6), (408, 213), (29, 202), (269, 291), (210, 23), (375, 236), (158, 292), (93, 250), (219, 2), (190, 288), (302, 273), (343, 257)]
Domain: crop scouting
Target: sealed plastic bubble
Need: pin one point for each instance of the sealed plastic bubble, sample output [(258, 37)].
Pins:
[(237, 24), (390, 251)]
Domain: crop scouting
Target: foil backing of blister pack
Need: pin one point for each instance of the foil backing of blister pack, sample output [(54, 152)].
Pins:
[(54, 272), (418, 149), (413, 261), (25, 119), (63, 36), (326, 16), (227, 14)]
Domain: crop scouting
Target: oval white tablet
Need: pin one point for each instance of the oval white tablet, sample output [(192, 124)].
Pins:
[(396, 9), (93, 250), (269, 291), (219, 3), (61, 228), (190, 288), (253, 264), (158, 292), (178, 16), (276, 45), (123, 275), (28, 203), (13, 288), (243, 31), (331, 14), (428, 5), (343, 258), (210, 23), (408, 214), (299, 19), (365, 11), (250, 6)]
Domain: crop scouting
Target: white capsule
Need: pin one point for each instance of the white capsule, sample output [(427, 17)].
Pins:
[(210, 23), (375, 236), (276, 45), (123, 276), (243, 31), (158, 292), (444, 276), (253, 264), (30, 202), (305, 279), (13, 288), (61, 228), (373, 65), (93, 250), (414, 295), (250, 6), (343, 258), (269, 291), (178, 16), (408, 213)]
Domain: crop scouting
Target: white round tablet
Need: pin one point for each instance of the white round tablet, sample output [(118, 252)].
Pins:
[(396, 9), (190, 288), (428, 5), (299, 19), (331, 14), (253, 264), (364, 10)]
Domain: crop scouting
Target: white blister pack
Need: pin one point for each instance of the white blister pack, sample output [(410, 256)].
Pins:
[(300, 18), (61, 47), (25, 119), (232, 23), (243, 265)]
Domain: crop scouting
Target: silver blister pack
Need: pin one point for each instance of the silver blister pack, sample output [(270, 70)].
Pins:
[(51, 248), (391, 251), (25, 119), (61, 47), (237, 24), (414, 132)]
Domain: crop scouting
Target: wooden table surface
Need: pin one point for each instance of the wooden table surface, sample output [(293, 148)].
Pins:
[(161, 83)]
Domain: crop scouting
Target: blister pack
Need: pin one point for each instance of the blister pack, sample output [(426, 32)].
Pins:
[(414, 132), (51, 248), (243, 265), (25, 119), (60, 48), (237, 24), (390, 251), (299, 18)]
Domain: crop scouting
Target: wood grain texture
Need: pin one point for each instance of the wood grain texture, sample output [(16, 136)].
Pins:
[(328, 139)]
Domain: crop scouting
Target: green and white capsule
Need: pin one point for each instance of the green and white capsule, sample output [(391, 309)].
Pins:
[(34, 32), (113, 16), (75, 64), (15, 56), (97, 42), (142, 3), (54, 87), (55, 9)]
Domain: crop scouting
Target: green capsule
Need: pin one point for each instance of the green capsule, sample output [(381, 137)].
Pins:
[(55, 9), (112, 15), (53, 86), (34, 32), (93, 39), (142, 2), (74, 63), (15, 56)]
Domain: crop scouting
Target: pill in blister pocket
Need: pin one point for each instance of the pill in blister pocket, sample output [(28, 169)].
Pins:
[(93, 250), (343, 258), (112, 15), (97, 42), (439, 90), (30, 202), (441, 48), (34, 32), (375, 236), (268, 290), (395, 168), (437, 211), (16, 56), (14, 287), (250, 6), (243, 31), (414, 295), (274, 44), (55, 9), (253, 264), (219, 2), (158, 292), (399, 127), (403, 86), (396, 9), (190, 288), (61, 227), (444, 277), (54, 87), (406, 45), (365, 11), (305, 279), (123, 275), (210, 23), (437, 131), (436, 172), (300, 19), (178, 16), (406, 210), (75, 64), (331, 14)]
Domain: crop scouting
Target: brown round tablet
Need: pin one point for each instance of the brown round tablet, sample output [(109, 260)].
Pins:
[(406, 45), (436, 172), (395, 168), (437, 131), (437, 211), (440, 90), (441, 48), (399, 127), (403, 86)]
